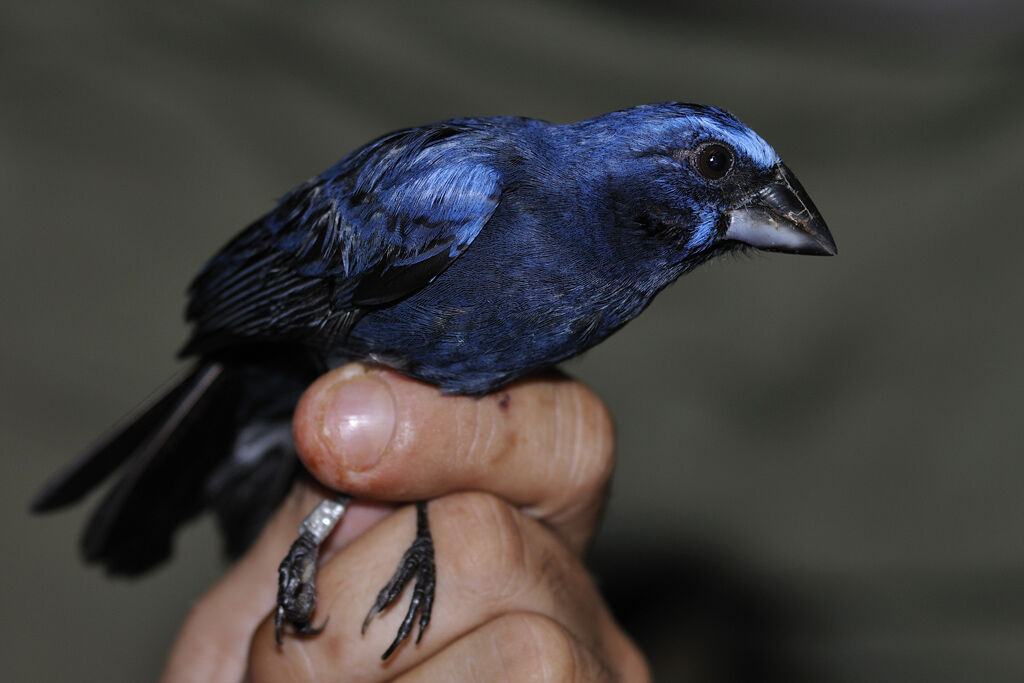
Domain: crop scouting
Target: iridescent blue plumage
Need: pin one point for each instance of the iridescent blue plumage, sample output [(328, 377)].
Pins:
[(395, 212)]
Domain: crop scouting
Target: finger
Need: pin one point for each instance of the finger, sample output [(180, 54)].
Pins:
[(544, 444), (496, 561), (521, 646), (213, 643)]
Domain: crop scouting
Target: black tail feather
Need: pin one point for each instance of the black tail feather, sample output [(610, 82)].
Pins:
[(217, 437), (162, 485), (115, 447)]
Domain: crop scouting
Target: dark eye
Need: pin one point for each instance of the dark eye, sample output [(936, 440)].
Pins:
[(713, 161)]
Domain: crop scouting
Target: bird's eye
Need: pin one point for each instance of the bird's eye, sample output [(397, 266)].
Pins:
[(713, 161)]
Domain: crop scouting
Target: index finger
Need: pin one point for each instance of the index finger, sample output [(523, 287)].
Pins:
[(544, 444)]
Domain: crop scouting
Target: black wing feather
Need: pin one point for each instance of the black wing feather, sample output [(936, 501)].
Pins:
[(374, 228)]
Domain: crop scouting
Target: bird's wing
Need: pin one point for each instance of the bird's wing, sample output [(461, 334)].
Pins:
[(376, 227)]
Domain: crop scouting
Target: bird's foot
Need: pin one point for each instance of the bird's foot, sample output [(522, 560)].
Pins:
[(296, 588), (418, 561), (296, 576)]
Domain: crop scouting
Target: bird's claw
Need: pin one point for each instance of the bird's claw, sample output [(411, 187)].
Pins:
[(418, 561), (296, 588)]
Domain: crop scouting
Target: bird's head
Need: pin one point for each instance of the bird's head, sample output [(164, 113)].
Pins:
[(695, 179)]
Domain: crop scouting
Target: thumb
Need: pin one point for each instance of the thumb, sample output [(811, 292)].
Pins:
[(543, 444)]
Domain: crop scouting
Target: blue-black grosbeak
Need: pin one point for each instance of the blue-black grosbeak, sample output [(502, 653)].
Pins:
[(467, 254)]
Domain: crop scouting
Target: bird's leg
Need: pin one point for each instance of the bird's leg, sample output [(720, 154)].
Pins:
[(418, 561), (296, 577)]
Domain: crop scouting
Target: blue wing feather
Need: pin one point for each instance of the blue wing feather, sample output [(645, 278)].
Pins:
[(374, 228)]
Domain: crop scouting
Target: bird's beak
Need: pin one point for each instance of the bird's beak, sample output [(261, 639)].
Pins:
[(781, 217)]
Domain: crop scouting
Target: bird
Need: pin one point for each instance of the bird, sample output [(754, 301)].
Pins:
[(466, 254)]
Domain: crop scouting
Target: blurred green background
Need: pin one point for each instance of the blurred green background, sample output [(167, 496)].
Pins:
[(820, 467)]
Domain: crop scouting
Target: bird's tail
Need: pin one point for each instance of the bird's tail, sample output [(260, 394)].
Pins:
[(187, 448)]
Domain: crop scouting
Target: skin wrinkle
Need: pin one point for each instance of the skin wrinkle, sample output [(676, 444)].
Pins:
[(554, 637), (586, 473), (211, 654), (472, 450), (578, 454), (276, 668), (513, 551), (603, 635), (519, 559), (506, 549), (538, 645), (559, 433), (501, 439), (306, 661), (552, 436), (365, 567), (596, 485), (500, 652), (597, 660), (457, 421), (496, 547), (586, 661), (553, 576), (576, 589)]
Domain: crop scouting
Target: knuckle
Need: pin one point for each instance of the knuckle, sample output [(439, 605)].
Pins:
[(492, 558), (589, 439), (483, 437), (534, 647)]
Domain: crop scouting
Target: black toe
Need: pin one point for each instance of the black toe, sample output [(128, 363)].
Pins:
[(417, 561)]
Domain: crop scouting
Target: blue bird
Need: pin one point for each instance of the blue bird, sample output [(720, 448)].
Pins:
[(467, 254)]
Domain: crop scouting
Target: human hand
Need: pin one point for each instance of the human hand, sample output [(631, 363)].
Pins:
[(516, 482)]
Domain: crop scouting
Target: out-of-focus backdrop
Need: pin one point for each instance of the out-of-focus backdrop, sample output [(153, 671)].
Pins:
[(831, 493)]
